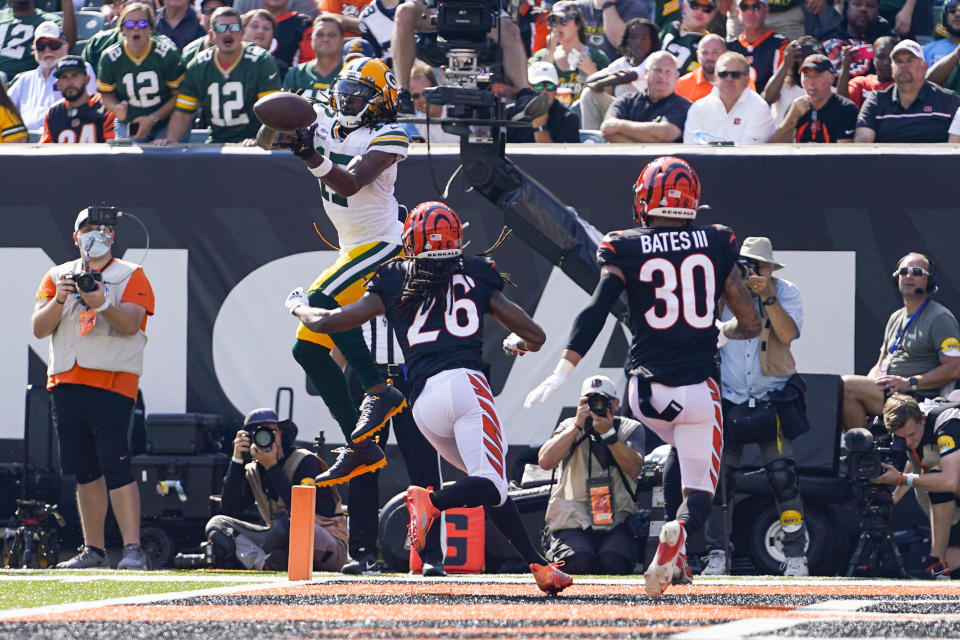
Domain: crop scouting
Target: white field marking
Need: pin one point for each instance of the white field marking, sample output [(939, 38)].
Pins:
[(841, 610), (54, 609), (134, 576)]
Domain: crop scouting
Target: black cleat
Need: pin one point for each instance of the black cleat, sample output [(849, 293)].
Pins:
[(405, 103), (352, 462), (532, 104), (376, 410), (365, 564), (432, 566)]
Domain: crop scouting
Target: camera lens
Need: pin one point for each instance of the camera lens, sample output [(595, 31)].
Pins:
[(263, 437), (598, 403)]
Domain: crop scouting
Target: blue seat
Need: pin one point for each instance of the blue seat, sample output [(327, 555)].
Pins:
[(89, 22)]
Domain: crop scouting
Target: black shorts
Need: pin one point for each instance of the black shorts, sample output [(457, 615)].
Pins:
[(92, 429)]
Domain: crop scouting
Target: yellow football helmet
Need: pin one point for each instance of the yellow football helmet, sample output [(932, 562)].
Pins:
[(364, 93)]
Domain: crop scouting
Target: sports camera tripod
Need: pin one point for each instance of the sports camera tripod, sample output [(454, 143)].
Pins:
[(875, 547)]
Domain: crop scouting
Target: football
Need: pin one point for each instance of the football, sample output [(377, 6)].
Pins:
[(285, 111)]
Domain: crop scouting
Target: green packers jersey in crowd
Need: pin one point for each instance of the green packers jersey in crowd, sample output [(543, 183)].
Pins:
[(305, 76), (191, 50), (227, 94), (146, 83), (16, 40), (682, 44), (97, 44), (665, 12)]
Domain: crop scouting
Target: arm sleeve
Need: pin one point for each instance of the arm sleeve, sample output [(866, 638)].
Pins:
[(588, 324), (234, 495)]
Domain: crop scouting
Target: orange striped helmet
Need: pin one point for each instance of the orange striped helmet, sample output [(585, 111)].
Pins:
[(667, 187), (432, 230)]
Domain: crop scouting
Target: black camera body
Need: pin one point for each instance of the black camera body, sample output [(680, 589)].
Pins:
[(748, 265), (263, 436), (599, 403), (465, 20), (101, 215), (86, 281)]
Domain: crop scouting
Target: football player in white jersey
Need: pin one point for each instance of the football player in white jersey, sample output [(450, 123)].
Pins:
[(353, 149)]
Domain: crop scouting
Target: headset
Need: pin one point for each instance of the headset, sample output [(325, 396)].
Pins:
[(931, 267)]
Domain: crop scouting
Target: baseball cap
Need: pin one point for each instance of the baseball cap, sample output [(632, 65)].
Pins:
[(48, 30), (598, 384), (817, 62), (265, 415), (565, 9), (908, 45), (69, 63), (81, 218), (542, 72)]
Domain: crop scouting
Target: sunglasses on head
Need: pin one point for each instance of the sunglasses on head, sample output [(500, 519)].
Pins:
[(139, 24), (736, 75), (52, 45), (912, 271), (706, 8), (549, 86), (233, 27)]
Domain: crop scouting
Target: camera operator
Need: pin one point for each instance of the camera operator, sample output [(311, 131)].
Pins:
[(95, 312), (413, 16), (763, 403), (920, 353), (932, 434), (599, 456), (263, 471)]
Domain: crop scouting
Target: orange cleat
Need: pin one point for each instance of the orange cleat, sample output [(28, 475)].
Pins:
[(549, 577), (422, 514)]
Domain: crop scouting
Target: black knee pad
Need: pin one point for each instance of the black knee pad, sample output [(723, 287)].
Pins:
[(783, 479)]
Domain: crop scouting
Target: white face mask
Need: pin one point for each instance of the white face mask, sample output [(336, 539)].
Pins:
[(94, 243)]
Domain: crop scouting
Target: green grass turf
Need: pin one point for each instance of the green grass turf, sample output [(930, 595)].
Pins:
[(25, 592)]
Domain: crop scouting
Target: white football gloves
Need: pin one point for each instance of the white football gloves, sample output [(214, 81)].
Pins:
[(511, 345), (553, 382), (296, 299)]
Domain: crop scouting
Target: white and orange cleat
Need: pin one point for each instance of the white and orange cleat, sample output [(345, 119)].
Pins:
[(422, 514), (659, 574), (682, 573), (549, 577)]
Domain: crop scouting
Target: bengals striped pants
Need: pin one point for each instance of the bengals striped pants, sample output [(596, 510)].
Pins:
[(456, 413), (696, 432)]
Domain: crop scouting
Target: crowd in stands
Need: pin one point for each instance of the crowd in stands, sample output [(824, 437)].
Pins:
[(697, 71)]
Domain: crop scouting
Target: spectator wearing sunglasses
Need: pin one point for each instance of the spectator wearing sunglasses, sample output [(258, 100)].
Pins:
[(656, 114), (21, 17), (422, 77), (732, 113), (178, 21), (139, 76), (606, 21), (35, 91), (914, 109), (626, 74), (682, 37), (226, 99), (568, 50), (700, 82), (207, 7), (920, 353), (819, 115), (559, 124), (760, 45)]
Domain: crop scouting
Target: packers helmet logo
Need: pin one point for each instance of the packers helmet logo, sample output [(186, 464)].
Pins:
[(308, 482), (950, 347), (945, 443), (391, 80), (791, 521)]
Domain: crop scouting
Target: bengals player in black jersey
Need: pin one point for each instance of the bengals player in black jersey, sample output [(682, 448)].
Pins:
[(436, 300), (673, 273)]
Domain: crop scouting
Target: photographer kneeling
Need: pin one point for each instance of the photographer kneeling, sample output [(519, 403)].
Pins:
[(932, 433), (600, 458), (267, 481)]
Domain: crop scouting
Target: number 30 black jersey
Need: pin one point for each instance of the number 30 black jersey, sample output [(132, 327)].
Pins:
[(434, 339), (674, 277)]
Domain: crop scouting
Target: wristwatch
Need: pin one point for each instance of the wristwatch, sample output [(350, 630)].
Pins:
[(609, 437), (913, 382), (769, 301), (542, 127)]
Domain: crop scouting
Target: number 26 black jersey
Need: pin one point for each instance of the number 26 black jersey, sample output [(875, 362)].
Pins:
[(674, 277), (434, 339)]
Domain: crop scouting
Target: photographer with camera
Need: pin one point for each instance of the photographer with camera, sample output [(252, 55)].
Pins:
[(95, 310), (763, 403), (931, 431), (265, 467), (599, 457)]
